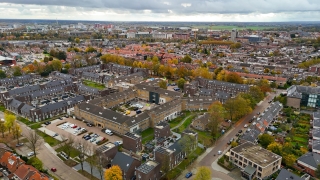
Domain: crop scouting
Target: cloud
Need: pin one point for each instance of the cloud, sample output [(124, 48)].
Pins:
[(163, 10)]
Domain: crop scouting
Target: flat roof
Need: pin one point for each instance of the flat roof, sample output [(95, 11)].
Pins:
[(256, 154)]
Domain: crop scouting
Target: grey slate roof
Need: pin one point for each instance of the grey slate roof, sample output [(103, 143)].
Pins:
[(176, 147), (310, 158), (222, 95), (123, 161), (147, 167), (316, 132), (166, 106), (85, 88), (45, 92), (26, 108), (158, 90), (15, 79), (205, 92), (287, 175), (91, 74), (229, 85), (61, 104), (316, 119), (23, 90), (15, 103), (316, 145), (297, 91)]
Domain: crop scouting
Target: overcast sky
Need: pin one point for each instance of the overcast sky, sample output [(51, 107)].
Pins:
[(163, 10)]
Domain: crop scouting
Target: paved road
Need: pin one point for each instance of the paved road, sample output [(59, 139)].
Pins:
[(50, 160), (221, 144)]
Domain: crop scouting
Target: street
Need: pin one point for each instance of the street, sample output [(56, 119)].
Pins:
[(50, 160), (221, 145)]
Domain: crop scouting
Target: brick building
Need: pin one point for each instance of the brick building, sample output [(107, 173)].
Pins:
[(132, 142)]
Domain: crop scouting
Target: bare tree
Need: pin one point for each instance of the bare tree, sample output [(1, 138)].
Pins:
[(82, 146), (67, 144), (34, 141), (91, 159), (101, 161)]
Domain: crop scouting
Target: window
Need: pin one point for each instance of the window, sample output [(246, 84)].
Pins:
[(255, 166), (245, 161), (260, 169), (259, 174), (250, 163)]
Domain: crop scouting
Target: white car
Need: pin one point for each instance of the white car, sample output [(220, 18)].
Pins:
[(119, 142), (219, 152), (30, 154), (245, 126)]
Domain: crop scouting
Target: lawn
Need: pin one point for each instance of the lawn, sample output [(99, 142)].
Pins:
[(147, 135), (175, 172), (2, 108), (36, 126), (94, 84), (24, 121), (74, 152), (186, 123), (48, 139), (173, 123), (226, 27), (204, 138)]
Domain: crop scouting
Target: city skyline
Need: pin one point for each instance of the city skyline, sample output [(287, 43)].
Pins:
[(162, 10)]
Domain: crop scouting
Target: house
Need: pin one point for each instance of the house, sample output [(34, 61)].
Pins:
[(316, 120), (287, 175), (308, 163), (127, 164), (162, 129), (108, 150), (172, 155), (132, 142), (148, 170), (254, 161), (303, 96), (201, 122)]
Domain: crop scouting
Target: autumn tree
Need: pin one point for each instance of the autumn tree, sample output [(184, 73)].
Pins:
[(181, 83), (91, 159), (16, 131), (265, 140), (3, 128), (203, 173), (56, 65), (163, 84), (34, 141), (113, 173), (216, 115), (83, 147), (77, 40), (237, 107), (289, 159), (233, 77), (10, 120), (186, 59), (263, 84), (275, 148)]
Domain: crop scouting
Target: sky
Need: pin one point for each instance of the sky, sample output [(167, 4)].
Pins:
[(163, 10)]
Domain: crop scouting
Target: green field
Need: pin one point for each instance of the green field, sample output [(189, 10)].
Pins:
[(223, 27), (94, 84)]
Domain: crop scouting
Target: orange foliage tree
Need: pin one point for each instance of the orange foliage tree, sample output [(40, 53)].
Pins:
[(113, 173)]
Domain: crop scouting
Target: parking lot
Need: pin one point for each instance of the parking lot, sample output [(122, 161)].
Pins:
[(68, 127)]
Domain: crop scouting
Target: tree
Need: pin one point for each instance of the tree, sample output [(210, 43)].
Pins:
[(203, 173), (237, 107), (265, 140), (34, 141), (289, 159), (187, 143), (233, 77), (163, 84), (165, 166), (101, 161), (113, 173), (67, 66), (318, 171), (92, 159), (46, 59), (17, 71), (9, 120), (56, 65), (234, 144), (217, 114), (16, 131), (181, 83), (77, 40), (186, 59), (3, 128), (263, 84), (2, 74), (273, 84), (35, 162), (83, 148), (275, 148), (67, 144)]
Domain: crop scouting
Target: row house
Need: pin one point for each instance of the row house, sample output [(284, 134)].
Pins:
[(149, 170), (92, 76), (162, 129), (13, 81), (197, 103), (18, 91), (172, 154), (127, 164), (132, 142), (79, 71), (51, 110), (93, 92)]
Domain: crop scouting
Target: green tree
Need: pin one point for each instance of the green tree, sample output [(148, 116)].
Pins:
[(9, 120), (181, 83), (46, 59), (318, 171), (216, 114), (77, 40), (163, 84), (17, 71), (186, 59), (203, 173), (56, 65), (275, 148), (187, 143), (67, 66), (265, 140), (35, 162), (237, 107), (3, 128), (2, 74)]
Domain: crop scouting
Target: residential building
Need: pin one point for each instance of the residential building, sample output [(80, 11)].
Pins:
[(108, 150), (201, 122), (127, 163), (172, 155), (254, 161), (303, 96), (150, 170), (308, 163), (288, 175), (132, 142), (162, 129)]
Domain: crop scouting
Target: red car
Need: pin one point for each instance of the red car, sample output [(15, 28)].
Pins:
[(75, 126), (53, 169)]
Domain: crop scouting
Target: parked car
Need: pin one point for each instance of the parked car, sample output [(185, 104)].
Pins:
[(189, 174), (20, 144), (90, 125), (55, 134), (240, 131), (53, 169), (138, 111), (119, 142), (245, 126), (219, 152), (30, 154)]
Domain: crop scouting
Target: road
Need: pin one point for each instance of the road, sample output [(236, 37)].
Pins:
[(50, 160), (221, 144)]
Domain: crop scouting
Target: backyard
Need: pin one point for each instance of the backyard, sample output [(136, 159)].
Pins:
[(147, 135), (175, 122), (300, 131), (94, 84), (186, 123)]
